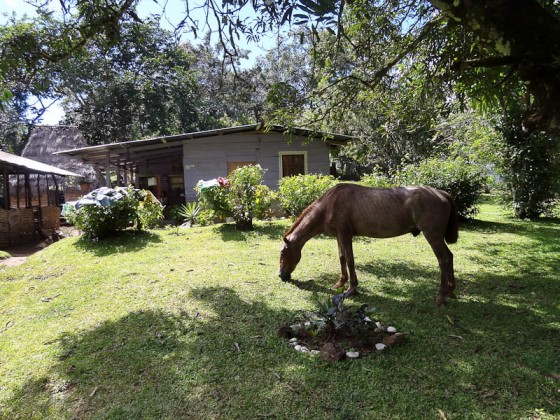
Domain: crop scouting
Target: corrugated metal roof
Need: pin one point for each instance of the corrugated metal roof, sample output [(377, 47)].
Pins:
[(171, 145), (17, 164)]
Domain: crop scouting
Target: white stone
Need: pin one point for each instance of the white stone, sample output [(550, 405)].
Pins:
[(378, 324), (303, 349), (367, 319), (380, 346), (297, 347), (293, 340), (391, 330), (352, 354), (315, 352)]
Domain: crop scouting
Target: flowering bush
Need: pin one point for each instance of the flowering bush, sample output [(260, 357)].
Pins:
[(242, 197)]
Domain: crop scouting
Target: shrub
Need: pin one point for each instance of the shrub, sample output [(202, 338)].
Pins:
[(105, 211), (242, 197), (377, 180), (264, 200), (245, 182), (462, 180), (530, 165), (216, 198), (297, 192)]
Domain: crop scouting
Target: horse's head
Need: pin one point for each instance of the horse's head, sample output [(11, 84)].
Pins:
[(290, 254)]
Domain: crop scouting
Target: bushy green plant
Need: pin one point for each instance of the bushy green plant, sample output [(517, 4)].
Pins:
[(130, 208), (216, 199), (462, 180), (297, 192), (264, 201), (530, 165), (242, 197), (188, 213), (377, 180), (149, 210), (245, 182)]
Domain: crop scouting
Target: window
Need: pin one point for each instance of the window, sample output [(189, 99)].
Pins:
[(293, 163), (232, 166)]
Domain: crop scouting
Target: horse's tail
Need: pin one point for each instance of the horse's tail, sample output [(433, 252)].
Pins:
[(452, 230)]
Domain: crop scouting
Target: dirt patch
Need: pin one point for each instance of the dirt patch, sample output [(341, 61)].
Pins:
[(20, 253)]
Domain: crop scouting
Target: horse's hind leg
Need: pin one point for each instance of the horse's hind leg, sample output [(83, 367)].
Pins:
[(445, 260), (343, 271), (347, 261)]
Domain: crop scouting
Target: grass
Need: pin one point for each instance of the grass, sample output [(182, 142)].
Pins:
[(167, 325)]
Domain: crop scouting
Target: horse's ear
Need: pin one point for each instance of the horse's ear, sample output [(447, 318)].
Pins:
[(286, 240)]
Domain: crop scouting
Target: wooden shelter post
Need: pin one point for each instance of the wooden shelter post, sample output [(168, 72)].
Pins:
[(5, 189), (108, 171)]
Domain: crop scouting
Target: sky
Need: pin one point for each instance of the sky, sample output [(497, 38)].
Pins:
[(174, 12)]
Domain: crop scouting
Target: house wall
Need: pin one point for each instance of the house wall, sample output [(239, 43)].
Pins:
[(206, 158)]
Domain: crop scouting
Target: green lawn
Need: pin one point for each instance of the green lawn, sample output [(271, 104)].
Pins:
[(160, 325)]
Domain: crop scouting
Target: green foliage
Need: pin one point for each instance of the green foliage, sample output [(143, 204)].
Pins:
[(136, 208), (216, 199), (297, 192), (242, 197), (377, 180), (143, 86), (188, 212), (530, 164), (149, 210), (264, 201), (462, 180)]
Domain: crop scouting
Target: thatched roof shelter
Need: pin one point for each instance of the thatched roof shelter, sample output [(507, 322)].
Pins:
[(46, 140)]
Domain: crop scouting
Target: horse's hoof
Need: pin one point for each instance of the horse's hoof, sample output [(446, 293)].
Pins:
[(350, 291), (337, 285), (452, 295)]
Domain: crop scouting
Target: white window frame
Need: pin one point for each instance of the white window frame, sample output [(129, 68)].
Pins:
[(296, 152)]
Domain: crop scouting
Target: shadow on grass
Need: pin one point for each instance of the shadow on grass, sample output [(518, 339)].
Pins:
[(267, 230), (541, 229), (156, 364), (127, 241)]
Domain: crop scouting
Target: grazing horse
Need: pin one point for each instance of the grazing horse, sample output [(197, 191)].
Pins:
[(349, 210)]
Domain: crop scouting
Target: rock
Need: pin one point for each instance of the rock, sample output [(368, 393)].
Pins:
[(380, 346), (297, 347), (293, 340), (393, 340), (315, 352), (379, 325), (332, 353), (303, 349), (352, 354), (391, 330)]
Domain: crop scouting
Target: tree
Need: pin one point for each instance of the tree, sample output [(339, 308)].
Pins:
[(142, 86), (519, 37)]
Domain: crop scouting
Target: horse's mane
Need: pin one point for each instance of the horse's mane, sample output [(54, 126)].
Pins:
[(302, 217)]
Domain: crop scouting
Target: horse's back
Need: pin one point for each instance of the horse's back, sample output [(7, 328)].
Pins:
[(384, 212)]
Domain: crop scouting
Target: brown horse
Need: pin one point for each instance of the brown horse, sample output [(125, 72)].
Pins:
[(349, 210)]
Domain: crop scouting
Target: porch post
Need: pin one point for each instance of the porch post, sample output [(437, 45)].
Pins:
[(108, 171)]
